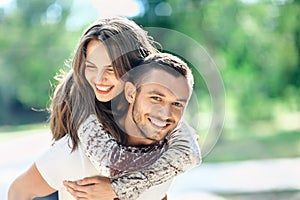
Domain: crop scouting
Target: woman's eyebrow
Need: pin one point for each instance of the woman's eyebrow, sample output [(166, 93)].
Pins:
[(87, 61)]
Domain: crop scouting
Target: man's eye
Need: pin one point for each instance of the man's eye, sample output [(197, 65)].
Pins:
[(156, 98), (177, 104)]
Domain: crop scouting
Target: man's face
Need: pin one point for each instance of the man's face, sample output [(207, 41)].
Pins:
[(159, 104)]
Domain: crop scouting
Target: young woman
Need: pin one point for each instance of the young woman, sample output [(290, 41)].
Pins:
[(126, 45)]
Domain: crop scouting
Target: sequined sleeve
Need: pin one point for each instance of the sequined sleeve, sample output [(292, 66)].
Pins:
[(142, 168), (183, 154), (111, 158)]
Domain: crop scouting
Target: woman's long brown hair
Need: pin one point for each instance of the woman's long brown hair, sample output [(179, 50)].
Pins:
[(74, 100)]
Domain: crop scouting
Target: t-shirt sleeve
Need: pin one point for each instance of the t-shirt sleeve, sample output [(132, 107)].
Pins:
[(60, 163)]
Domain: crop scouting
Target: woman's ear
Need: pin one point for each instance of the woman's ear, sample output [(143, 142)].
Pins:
[(130, 92)]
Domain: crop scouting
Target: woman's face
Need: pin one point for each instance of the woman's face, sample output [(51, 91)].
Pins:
[(99, 72)]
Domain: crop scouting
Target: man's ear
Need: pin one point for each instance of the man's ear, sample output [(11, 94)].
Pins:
[(130, 92)]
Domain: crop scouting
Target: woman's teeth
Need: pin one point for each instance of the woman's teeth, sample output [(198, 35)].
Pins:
[(103, 88)]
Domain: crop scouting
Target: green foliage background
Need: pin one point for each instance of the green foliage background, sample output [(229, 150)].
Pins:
[(255, 45)]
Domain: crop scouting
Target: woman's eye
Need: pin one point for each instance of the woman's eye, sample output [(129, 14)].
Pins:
[(110, 69), (90, 67)]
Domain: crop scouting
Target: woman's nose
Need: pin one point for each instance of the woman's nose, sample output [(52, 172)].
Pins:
[(100, 74)]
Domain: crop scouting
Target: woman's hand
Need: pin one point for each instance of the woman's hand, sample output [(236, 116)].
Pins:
[(93, 188)]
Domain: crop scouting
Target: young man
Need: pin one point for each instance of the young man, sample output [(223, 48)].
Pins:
[(155, 108)]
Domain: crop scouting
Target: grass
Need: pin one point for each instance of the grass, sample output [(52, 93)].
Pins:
[(247, 143), (236, 144), (272, 195), (12, 132)]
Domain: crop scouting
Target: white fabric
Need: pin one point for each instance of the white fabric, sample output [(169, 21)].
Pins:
[(59, 163)]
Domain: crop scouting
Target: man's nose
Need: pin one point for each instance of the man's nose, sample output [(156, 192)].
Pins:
[(165, 111)]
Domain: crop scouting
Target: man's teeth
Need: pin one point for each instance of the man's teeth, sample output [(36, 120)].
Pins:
[(158, 123), (103, 88)]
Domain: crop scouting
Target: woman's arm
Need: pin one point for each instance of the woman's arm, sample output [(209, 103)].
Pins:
[(182, 154), (28, 185), (111, 158)]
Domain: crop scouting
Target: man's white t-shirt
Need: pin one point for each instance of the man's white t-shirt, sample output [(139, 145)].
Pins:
[(59, 163)]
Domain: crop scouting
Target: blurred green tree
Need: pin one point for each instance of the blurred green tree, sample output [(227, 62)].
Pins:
[(34, 44), (255, 44)]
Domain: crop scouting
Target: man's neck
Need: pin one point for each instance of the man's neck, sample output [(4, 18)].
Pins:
[(137, 141)]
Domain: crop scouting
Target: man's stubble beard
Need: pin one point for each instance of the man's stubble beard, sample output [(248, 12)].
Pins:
[(137, 118)]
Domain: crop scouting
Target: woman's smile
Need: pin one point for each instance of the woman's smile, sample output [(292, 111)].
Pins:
[(103, 89), (99, 72)]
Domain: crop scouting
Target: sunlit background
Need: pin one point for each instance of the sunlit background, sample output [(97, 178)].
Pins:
[(255, 45)]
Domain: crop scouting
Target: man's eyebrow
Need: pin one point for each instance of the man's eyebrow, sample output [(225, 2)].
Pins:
[(162, 95), (156, 93), (182, 100)]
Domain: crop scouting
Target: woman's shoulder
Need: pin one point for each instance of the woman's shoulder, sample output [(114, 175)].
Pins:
[(90, 124), (91, 120)]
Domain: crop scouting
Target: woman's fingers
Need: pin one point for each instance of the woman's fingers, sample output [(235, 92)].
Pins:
[(92, 180), (93, 188), (77, 191)]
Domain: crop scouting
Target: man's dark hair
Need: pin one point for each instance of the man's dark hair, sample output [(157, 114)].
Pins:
[(160, 61)]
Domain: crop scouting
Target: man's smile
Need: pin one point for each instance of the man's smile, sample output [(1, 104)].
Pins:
[(158, 123)]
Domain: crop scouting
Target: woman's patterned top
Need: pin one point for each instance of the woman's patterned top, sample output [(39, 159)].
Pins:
[(135, 169)]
